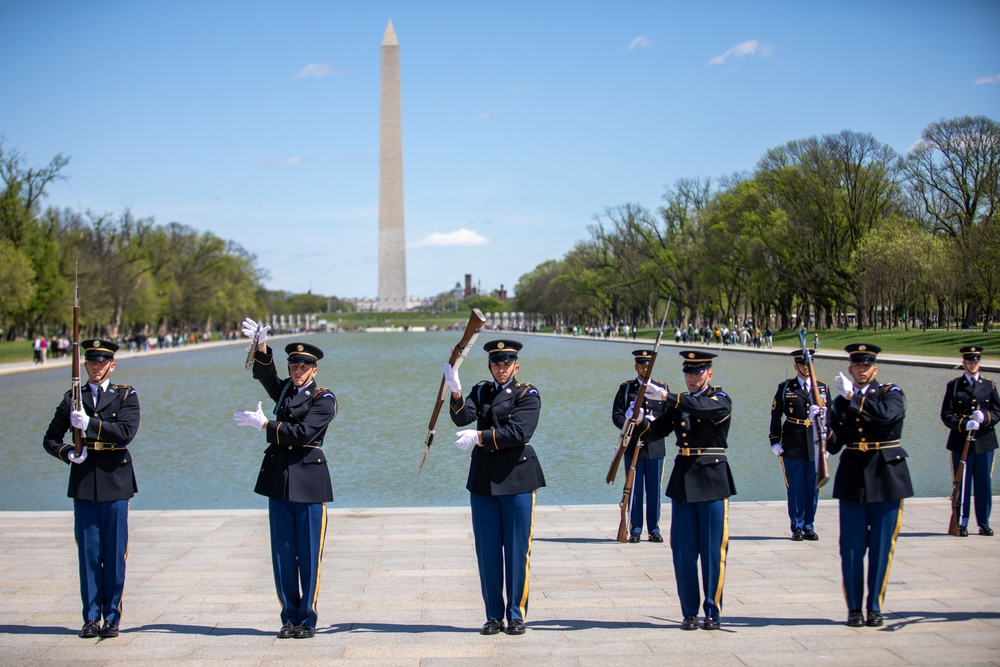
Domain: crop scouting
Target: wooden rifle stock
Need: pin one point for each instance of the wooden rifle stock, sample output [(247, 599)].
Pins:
[(629, 426), (819, 424), (623, 522), (77, 396), (472, 329), (958, 487)]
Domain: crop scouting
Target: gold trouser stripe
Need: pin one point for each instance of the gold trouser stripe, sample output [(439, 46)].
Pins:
[(784, 473), (723, 550), (319, 561), (128, 505), (892, 548), (523, 604)]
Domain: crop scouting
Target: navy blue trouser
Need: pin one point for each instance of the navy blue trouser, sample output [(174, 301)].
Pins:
[(871, 528), (978, 471), (298, 531), (503, 528), (803, 494), (648, 473), (700, 530), (101, 532)]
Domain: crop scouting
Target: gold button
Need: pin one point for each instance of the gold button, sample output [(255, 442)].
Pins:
[(289, 446)]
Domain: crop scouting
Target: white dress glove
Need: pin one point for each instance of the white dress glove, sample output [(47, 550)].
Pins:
[(79, 419), (251, 329), (972, 425), (255, 419), (777, 449), (843, 385), (813, 411), (467, 439), (451, 379), (655, 392), (978, 416), (77, 459)]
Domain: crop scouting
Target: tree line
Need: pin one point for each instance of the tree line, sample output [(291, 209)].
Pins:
[(841, 229), (135, 276)]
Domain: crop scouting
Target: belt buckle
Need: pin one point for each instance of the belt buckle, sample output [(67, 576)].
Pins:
[(862, 446), (685, 451), (808, 422), (98, 446)]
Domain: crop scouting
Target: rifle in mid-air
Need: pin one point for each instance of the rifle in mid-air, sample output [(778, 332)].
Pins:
[(458, 354), (819, 425)]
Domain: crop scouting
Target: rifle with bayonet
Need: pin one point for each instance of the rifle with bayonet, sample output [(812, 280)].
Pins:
[(819, 425), (76, 397), (629, 426), (458, 354)]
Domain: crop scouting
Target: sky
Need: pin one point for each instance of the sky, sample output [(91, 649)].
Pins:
[(522, 122)]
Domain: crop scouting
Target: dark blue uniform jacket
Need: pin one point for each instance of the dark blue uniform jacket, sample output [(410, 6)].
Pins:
[(792, 402), (505, 463), (107, 472), (699, 423), (960, 399), (627, 392), (294, 466), (869, 420)]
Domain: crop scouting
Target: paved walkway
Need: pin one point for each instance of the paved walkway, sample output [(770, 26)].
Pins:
[(400, 588)]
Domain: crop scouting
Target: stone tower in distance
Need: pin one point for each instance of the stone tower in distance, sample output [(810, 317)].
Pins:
[(391, 231)]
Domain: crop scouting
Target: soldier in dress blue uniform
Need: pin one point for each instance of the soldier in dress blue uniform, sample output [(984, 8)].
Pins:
[(101, 482), (971, 406), (700, 485), (504, 474), (792, 437), (294, 476), (649, 465), (866, 421)]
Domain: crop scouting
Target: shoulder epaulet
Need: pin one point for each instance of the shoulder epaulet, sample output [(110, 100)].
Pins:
[(323, 392), (528, 389), (479, 384), (118, 387), (889, 386), (717, 391)]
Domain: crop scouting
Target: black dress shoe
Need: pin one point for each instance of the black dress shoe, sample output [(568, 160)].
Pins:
[(110, 630), (655, 537), (874, 620), (986, 530), (492, 627), (689, 623), (963, 531), (90, 630), (855, 618), (304, 632), (287, 631), (634, 538), (515, 627), (797, 535), (711, 623), (810, 534)]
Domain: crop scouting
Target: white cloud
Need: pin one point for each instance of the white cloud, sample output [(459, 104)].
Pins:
[(318, 70), (994, 78), (748, 48), (280, 162), (462, 238), (641, 40)]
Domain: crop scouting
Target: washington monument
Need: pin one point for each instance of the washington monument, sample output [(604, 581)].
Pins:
[(391, 231)]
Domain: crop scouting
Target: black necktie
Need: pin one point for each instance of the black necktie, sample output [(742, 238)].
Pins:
[(97, 396)]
